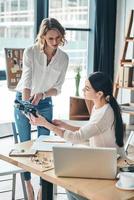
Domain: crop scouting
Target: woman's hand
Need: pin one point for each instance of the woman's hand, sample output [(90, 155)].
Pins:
[(64, 125), (36, 98), (59, 123), (37, 121)]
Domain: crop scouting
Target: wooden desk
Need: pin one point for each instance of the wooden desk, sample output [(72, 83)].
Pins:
[(93, 189)]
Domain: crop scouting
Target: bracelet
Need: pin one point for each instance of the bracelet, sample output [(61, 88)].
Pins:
[(44, 95)]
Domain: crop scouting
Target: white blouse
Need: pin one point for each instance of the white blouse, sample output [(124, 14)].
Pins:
[(40, 77), (99, 130)]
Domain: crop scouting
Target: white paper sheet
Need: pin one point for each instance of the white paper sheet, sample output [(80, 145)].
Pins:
[(46, 143)]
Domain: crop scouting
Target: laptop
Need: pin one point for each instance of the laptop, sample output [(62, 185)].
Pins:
[(85, 162)]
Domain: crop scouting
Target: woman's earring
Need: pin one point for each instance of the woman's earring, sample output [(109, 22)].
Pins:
[(107, 98)]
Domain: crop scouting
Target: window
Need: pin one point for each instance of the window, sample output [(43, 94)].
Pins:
[(72, 3), (17, 25), (74, 16), (14, 5), (2, 6), (2, 32), (56, 4), (16, 31), (23, 5)]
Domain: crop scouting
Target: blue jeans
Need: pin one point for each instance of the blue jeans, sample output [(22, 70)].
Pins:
[(73, 196), (45, 109)]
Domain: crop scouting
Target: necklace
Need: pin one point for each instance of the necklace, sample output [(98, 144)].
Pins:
[(49, 56)]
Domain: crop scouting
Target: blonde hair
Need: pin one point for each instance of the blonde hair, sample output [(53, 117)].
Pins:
[(46, 25)]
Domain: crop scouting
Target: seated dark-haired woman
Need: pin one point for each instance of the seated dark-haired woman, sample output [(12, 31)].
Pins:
[(105, 126)]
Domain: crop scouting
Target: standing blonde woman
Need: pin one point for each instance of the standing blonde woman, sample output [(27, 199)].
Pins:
[(44, 69)]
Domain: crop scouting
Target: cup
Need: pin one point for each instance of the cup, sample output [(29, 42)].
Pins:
[(126, 179)]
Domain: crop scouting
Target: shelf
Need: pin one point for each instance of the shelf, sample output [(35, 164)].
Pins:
[(127, 63), (127, 112), (130, 39), (124, 78), (127, 108), (129, 88)]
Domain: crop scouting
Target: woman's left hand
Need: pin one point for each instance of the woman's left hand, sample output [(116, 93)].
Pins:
[(38, 121), (59, 123)]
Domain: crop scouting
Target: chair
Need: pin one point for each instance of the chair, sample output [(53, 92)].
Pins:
[(130, 141), (9, 169)]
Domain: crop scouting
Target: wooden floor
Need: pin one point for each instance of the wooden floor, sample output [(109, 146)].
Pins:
[(35, 181)]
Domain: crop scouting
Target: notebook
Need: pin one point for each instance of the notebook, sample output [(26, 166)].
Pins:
[(22, 152), (85, 162)]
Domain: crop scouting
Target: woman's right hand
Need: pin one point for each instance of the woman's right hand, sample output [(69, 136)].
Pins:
[(37, 121)]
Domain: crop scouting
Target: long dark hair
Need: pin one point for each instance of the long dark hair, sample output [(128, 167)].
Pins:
[(101, 82)]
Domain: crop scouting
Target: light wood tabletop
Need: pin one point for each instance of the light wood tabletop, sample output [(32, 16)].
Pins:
[(93, 189)]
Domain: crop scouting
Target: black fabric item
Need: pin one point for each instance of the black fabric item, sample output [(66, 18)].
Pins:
[(105, 23), (41, 12)]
